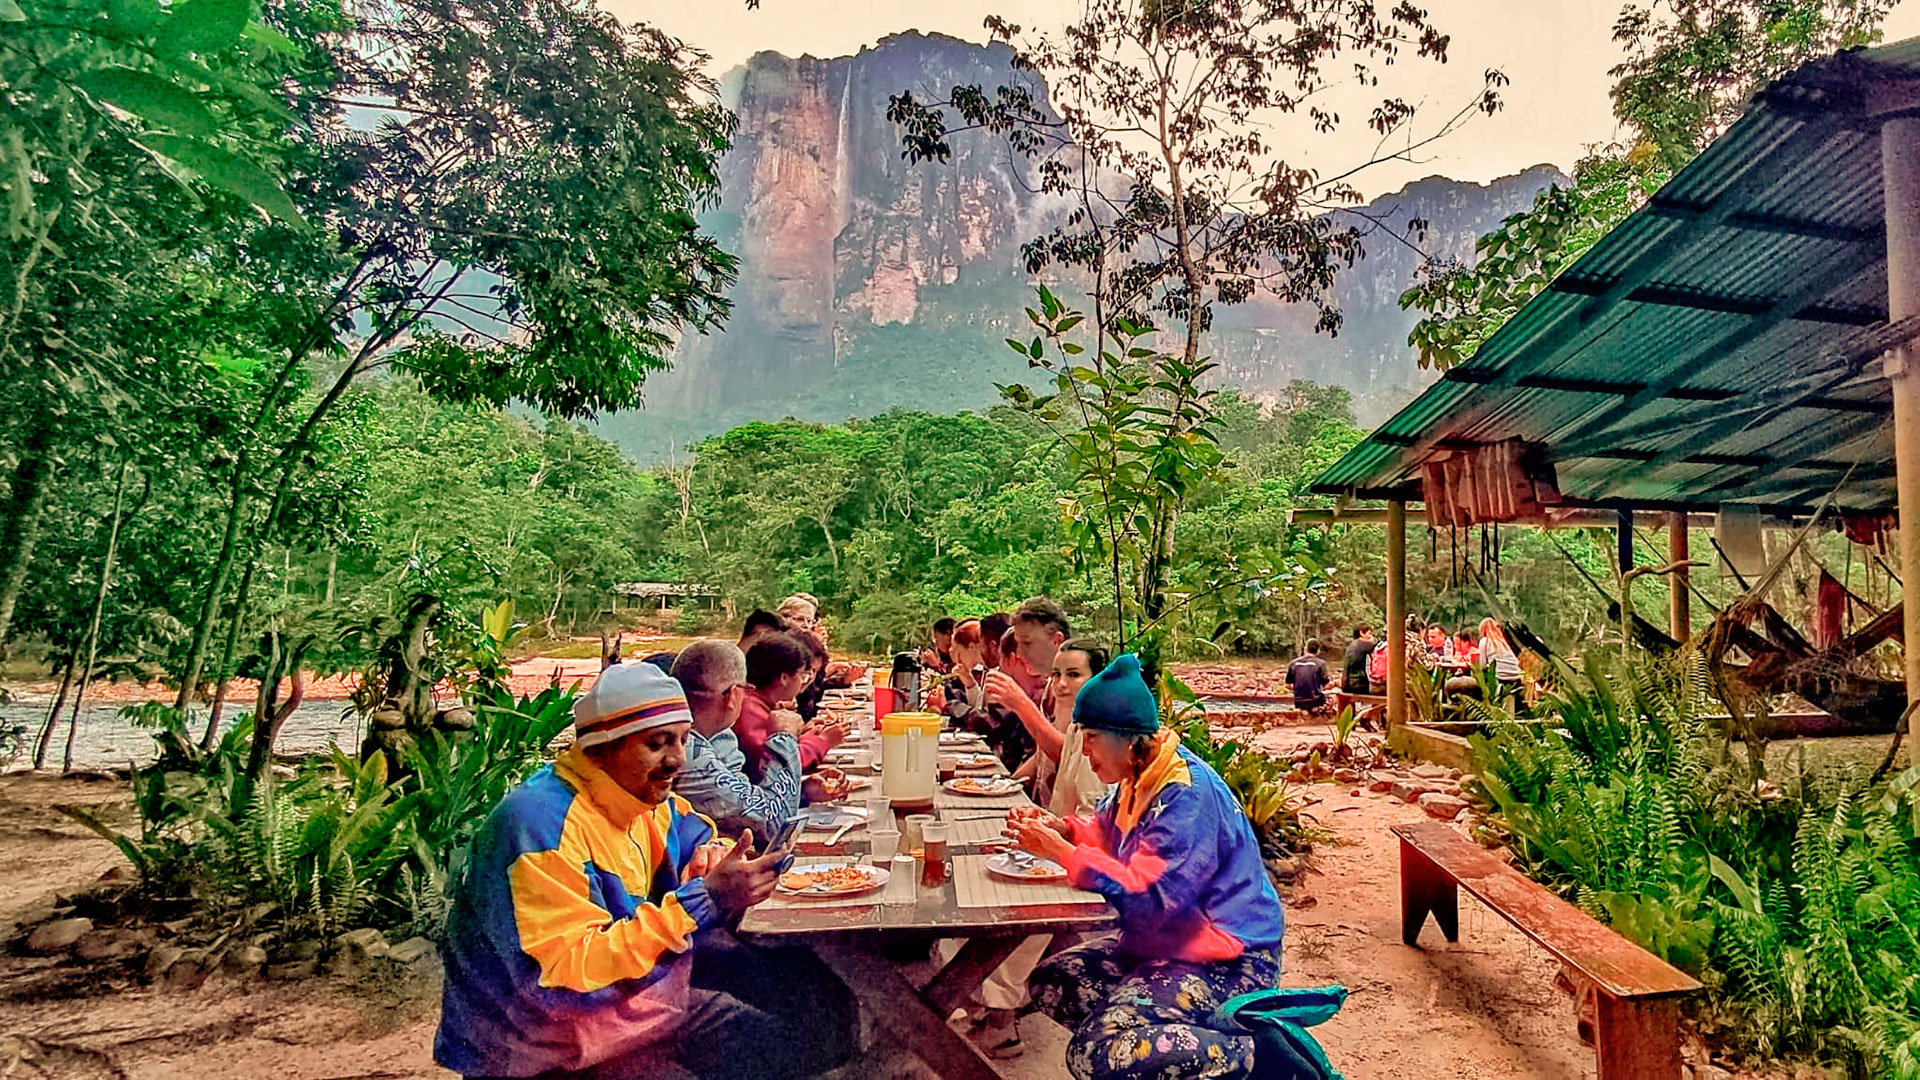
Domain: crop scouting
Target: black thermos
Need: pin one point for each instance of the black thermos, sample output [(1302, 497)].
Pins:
[(906, 681)]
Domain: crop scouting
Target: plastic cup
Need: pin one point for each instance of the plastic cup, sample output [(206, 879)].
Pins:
[(862, 761), (900, 886), (886, 844), (879, 812), (933, 868), (882, 677), (912, 833)]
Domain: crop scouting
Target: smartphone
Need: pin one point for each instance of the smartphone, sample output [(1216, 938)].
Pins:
[(784, 839)]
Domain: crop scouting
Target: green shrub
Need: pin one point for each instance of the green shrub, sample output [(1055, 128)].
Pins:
[(1797, 905)]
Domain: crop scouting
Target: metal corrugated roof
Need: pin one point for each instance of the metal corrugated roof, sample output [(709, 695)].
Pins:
[(1718, 345)]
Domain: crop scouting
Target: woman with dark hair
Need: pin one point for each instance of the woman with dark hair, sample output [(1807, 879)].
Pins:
[(1199, 921)]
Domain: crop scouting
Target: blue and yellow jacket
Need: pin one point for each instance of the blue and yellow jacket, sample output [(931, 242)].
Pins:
[(1175, 855), (567, 941)]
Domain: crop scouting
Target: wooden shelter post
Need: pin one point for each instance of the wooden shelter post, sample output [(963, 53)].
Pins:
[(1396, 635), (1679, 612), (1900, 161)]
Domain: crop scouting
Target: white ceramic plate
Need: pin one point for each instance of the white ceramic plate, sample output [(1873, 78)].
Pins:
[(985, 787), (829, 818), (1020, 866), (793, 884), (975, 761)]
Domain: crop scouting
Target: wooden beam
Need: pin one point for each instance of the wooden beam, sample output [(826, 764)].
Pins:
[(1679, 614), (1900, 162), (1396, 635)]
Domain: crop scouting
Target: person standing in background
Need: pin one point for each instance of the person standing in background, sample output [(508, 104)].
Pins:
[(1354, 679)]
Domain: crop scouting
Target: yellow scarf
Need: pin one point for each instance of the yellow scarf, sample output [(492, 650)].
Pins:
[(1137, 794)]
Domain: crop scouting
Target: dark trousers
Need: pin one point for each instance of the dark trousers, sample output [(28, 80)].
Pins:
[(753, 1012)]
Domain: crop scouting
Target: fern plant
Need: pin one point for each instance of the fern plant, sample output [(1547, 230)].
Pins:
[(1799, 906)]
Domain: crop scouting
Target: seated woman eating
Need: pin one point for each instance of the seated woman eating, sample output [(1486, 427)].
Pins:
[(1199, 921)]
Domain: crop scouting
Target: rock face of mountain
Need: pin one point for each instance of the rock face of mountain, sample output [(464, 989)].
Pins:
[(867, 282)]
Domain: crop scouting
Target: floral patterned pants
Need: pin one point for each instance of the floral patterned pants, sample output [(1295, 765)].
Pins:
[(1136, 1019)]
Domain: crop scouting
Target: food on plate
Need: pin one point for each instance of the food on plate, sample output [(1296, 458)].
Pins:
[(1023, 866), (829, 879), (989, 785), (975, 761)]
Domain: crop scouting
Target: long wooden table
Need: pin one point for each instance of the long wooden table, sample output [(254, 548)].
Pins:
[(854, 942)]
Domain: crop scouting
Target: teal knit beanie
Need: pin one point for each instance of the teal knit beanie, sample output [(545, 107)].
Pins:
[(1118, 700)]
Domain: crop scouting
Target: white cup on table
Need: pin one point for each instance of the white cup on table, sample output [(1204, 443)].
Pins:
[(879, 811), (862, 761), (886, 844)]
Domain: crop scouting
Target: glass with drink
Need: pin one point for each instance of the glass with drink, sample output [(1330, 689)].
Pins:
[(933, 868)]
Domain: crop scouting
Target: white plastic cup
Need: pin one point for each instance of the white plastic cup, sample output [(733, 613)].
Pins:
[(911, 831), (886, 844), (879, 812), (862, 761), (903, 882)]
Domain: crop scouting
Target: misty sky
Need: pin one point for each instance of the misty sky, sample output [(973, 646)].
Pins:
[(1557, 53)]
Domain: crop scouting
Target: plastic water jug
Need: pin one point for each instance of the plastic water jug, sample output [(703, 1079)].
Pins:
[(909, 759)]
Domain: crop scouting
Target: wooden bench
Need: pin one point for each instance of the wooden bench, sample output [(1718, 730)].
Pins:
[(1636, 1016), (1369, 709)]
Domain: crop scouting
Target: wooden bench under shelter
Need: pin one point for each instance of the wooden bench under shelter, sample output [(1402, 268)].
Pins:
[(1636, 1015), (1369, 709)]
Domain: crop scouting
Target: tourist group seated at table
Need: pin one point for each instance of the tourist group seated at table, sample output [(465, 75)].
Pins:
[(590, 935)]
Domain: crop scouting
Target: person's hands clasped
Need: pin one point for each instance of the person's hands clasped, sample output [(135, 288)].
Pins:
[(1040, 833), (737, 882)]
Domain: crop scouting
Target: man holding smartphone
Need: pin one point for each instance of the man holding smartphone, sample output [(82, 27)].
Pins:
[(588, 935)]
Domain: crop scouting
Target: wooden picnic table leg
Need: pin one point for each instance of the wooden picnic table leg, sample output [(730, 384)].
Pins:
[(1425, 889), (903, 1014), (977, 959), (1636, 1040)]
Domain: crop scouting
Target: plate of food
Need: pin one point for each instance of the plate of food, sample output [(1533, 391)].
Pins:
[(818, 880), (975, 761), (829, 818), (983, 786), (1025, 866), (952, 738)]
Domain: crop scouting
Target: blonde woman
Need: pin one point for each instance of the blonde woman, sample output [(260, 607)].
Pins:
[(1497, 654)]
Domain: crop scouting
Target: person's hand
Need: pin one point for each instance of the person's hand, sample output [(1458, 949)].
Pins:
[(835, 731), (824, 785), (703, 859), (737, 882), (788, 721), (1003, 689), (1035, 834), (1020, 815), (937, 700)]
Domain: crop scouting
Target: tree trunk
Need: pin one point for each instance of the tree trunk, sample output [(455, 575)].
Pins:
[(222, 568), (21, 529), (53, 716), (211, 737), (99, 605), (333, 569)]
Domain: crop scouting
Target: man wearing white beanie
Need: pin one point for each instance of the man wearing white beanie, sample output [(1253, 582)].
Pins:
[(571, 945)]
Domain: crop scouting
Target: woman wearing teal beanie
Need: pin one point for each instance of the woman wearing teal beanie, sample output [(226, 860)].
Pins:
[(1199, 922)]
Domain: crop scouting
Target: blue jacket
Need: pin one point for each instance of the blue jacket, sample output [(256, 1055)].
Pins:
[(567, 941), (1177, 858)]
